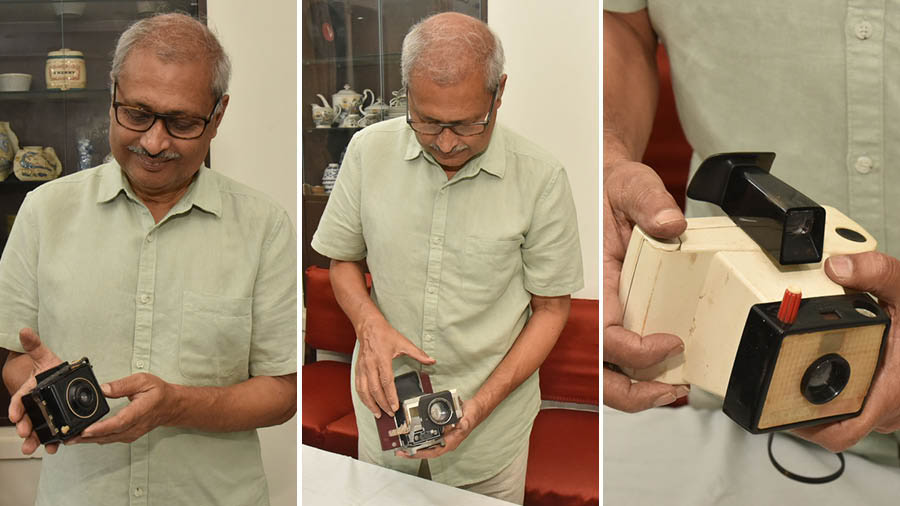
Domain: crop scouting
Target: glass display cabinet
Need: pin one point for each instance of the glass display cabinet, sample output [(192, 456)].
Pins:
[(351, 55), (74, 122)]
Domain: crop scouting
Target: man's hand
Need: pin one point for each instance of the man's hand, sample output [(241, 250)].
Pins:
[(379, 344), (473, 414), (634, 194), (36, 359), (147, 410), (878, 274)]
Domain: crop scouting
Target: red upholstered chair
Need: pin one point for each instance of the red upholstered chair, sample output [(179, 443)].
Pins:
[(328, 421), (568, 474)]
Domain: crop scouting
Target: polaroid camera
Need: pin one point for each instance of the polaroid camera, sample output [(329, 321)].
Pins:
[(422, 417), (763, 326)]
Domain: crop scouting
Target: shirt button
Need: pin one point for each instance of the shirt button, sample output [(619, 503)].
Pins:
[(428, 337), (149, 238), (145, 298), (436, 240), (863, 165), (431, 289), (139, 364), (138, 492), (863, 30)]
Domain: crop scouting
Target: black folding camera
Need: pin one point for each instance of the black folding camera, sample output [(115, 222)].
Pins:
[(65, 401), (422, 417)]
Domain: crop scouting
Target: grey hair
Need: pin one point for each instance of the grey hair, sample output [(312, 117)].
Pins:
[(432, 48), (175, 38)]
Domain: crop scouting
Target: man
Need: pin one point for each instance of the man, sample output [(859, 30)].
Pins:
[(178, 283), (755, 76), (470, 235)]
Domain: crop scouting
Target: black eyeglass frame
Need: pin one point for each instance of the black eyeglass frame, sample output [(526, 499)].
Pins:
[(452, 126), (165, 117)]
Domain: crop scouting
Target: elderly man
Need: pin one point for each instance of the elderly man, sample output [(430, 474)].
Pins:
[(178, 283), (470, 235)]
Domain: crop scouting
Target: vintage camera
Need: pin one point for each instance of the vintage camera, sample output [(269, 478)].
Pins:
[(731, 288), (65, 401), (422, 417)]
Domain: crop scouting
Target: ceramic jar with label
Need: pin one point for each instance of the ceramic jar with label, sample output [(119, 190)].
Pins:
[(65, 70), (9, 145)]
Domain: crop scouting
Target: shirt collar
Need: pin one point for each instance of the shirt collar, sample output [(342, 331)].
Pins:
[(203, 193), (492, 160)]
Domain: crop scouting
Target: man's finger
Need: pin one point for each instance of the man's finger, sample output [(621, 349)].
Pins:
[(628, 349), (415, 352), (362, 388), (871, 272), (620, 393), (638, 191)]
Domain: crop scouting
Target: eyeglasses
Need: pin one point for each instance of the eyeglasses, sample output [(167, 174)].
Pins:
[(460, 129), (180, 126)]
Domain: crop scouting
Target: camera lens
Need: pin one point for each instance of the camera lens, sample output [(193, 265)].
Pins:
[(825, 378), (439, 411), (82, 398)]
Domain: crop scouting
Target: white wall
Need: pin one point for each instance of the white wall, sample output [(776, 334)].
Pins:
[(552, 97), (257, 145)]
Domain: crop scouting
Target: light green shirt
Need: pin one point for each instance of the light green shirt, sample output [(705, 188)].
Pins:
[(454, 264), (816, 82), (205, 297)]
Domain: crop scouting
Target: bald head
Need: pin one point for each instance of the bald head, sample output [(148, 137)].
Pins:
[(448, 47)]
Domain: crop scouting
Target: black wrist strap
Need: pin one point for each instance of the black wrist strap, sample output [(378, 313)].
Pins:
[(804, 479)]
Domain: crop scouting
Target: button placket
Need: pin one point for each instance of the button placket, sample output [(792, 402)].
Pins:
[(433, 270)]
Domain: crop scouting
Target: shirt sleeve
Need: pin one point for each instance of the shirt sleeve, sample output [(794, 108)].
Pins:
[(340, 235), (624, 5), (18, 279), (273, 350), (551, 252)]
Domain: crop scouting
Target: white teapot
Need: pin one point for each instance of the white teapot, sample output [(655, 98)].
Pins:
[(324, 115), (349, 100)]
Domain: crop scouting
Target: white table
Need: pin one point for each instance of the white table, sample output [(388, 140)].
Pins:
[(691, 457), (335, 480)]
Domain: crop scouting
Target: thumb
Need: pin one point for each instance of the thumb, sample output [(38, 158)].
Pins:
[(871, 272), (121, 387), (40, 354), (637, 191)]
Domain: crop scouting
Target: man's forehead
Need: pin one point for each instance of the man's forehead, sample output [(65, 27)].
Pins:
[(177, 87)]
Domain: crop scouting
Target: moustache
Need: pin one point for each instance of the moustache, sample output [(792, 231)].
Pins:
[(162, 155), (456, 149)]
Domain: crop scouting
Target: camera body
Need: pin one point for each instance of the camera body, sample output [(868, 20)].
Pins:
[(718, 287), (65, 401), (422, 417)]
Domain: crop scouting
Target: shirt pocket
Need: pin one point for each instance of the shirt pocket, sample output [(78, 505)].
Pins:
[(214, 344), (488, 267)]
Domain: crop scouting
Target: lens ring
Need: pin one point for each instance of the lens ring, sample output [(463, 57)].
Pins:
[(825, 378), (82, 398), (439, 411)]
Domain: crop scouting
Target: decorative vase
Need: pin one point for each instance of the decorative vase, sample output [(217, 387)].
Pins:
[(9, 145), (36, 163)]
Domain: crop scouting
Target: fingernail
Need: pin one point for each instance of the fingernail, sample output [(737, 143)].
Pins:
[(662, 400), (681, 391), (841, 266), (105, 388), (377, 414), (667, 216), (676, 351)]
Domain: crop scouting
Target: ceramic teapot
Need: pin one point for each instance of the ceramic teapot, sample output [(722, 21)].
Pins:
[(397, 104), (324, 115), (349, 100), (375, 112), (36, 163), (9, 145)]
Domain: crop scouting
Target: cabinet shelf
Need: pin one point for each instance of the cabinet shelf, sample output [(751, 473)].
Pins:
[(45, 95)]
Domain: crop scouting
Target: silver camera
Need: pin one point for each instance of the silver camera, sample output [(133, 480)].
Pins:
[(422, 417)]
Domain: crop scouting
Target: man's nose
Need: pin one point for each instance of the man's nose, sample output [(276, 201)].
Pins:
[(157, 139), (447, 140)]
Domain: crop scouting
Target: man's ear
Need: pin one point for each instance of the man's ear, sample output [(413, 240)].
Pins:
[(500, 88), (221, 112)]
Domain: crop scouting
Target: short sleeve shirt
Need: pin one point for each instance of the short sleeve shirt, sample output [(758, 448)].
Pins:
[(815, 82), (205, 297), (454, 264)]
